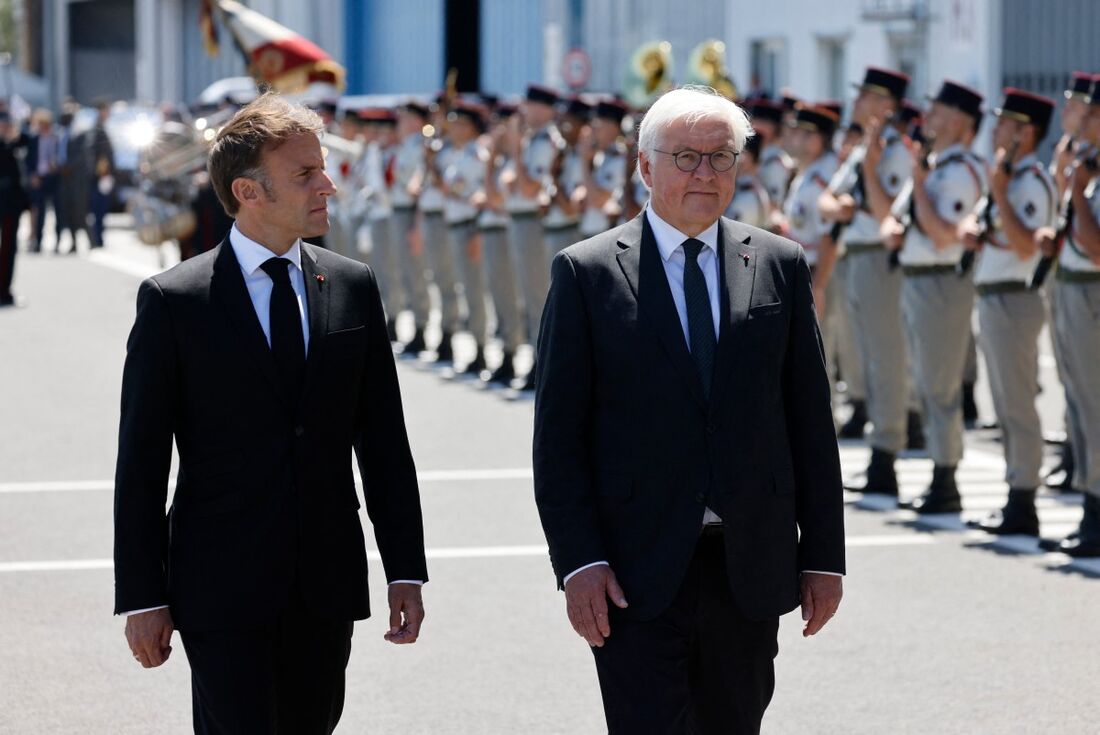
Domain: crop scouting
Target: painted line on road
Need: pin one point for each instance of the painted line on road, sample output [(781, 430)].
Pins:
[(518, 473), (457, 552)]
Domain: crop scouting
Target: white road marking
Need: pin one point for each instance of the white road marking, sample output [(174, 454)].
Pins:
[(456, 552)]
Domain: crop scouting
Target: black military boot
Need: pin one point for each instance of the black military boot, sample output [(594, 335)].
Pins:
[(475, 366), (1085, 544), (416, 345), (942, 496), (853, 428), (970, 406), (506, 373), (444, 352), (1017, 517), (1061, 477), (915, 430), (881, 477)]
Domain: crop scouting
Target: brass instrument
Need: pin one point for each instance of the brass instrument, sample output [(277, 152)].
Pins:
[(707, 66), (167, 168), (649, 74)]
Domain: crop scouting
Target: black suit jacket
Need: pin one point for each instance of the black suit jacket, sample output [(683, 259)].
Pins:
[(265, 493), (628, 451)]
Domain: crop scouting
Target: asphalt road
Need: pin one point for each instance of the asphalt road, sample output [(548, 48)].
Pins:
[(940, 631)]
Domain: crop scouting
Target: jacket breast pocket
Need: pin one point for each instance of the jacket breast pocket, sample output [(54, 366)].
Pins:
[(764, 310)]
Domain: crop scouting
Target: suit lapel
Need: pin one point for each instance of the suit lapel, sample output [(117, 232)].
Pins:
[(317, 300), (228, 285), (737, 258), (640, 261)]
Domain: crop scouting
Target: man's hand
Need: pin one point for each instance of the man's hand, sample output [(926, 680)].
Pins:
[(969, 233), (846, 208), (821, 595), (150, 636), (893, 233), (1044, 240), (406, 613), (586, 596)]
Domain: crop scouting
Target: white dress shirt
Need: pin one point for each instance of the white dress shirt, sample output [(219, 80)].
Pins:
[(251, 255), (670, 244)]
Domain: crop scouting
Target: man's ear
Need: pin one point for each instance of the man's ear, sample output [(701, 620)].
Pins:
[(644, 168), (247, 191)]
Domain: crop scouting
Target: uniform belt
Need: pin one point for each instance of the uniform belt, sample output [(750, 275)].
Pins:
[(863, 247), (559, 227), (463, 223), (992, 289), (1069, 276), (524, 215), (927, 270), (404, 207), (486, 227)]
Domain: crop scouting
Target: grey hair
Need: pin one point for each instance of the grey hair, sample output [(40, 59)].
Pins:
[(691, 103)]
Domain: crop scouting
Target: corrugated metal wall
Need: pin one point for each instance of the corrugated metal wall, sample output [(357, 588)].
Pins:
[(394, 46), (511, 45), (613, 29), (1043, 42)]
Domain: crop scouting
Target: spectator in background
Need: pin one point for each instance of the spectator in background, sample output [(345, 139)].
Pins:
[(74, 178), (102, 156), (12, 204), (42, 166)]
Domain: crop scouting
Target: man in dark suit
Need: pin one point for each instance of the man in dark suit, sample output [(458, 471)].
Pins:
[(267, 361), (13, 201), (686, 466), (101, 154), (43, 163)]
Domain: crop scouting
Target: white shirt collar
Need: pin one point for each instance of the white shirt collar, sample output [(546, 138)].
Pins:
[(251, 254), (669, 238)]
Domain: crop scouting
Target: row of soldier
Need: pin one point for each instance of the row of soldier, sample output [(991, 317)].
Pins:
[(906, 228)]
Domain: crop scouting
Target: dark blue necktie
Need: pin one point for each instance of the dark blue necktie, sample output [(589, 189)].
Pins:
[(700, 318), (287, 341)]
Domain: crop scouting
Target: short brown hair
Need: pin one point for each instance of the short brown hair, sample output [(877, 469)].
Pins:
[(238, 149)]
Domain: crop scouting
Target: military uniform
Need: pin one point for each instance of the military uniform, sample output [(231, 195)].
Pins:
[(1010, 317), (937, 303), (609, 174), (441, 256), (463, 177), (1076, 327), (775, 171), (750, 203), (383, 252), (560, 229), (408, 165)]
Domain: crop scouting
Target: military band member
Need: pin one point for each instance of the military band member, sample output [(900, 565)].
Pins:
[(750, 203), (937, 302), (775, 167), (810, 140), (463, 182), (529, 179), (1076, 317), (860, 197), (1010, 315), (433, 230), (560, 225), (407, 167), (493, 224), (603, 166)]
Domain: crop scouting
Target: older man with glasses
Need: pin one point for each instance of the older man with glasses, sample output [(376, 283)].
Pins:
[(686, 466)]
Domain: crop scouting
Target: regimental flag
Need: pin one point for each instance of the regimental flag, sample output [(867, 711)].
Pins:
[(276, 56)]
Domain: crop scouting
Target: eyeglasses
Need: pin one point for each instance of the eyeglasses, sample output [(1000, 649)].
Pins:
[(688, 160)]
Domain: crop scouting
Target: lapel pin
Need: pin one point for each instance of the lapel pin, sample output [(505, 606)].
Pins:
[(745, 257), (320, 278)]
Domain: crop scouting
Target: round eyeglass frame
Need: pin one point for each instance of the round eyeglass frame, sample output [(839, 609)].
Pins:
[(677, 157)]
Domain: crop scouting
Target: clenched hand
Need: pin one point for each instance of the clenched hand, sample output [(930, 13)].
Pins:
[(150, 636)]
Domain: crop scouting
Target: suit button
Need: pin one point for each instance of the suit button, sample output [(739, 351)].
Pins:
[(299, 430)]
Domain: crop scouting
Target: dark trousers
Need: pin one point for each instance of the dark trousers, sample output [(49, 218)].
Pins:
[(9, 227), (701, 667), (99, 204), (43, 196), (285, 678)]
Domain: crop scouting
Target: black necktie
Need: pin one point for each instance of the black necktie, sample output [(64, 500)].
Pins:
[(700, 318), (287, 341)]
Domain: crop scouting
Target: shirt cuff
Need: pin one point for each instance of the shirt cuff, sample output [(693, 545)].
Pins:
[(148, 609), (814, 571), (575, 572), (417, 582)]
